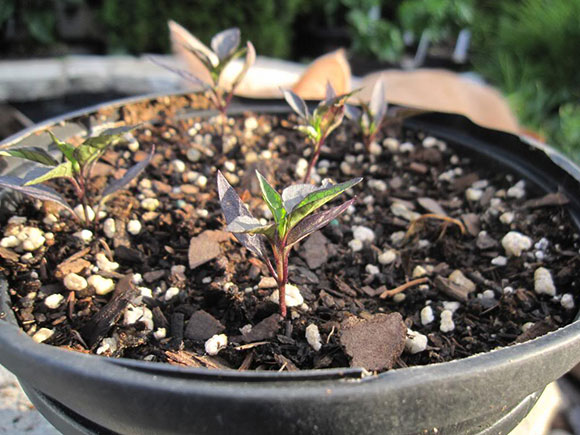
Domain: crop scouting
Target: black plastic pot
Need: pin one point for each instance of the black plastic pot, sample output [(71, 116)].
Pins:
[(487, 393)]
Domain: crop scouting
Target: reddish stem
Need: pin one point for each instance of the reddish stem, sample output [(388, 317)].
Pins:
[(312, 163), (281, 255)]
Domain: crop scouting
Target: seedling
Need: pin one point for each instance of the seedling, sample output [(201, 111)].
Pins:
[(371, 115), (224, 49), (77, 168), (294, 219), (318, 125)]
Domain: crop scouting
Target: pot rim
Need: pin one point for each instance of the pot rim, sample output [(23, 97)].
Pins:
[(11, 336)]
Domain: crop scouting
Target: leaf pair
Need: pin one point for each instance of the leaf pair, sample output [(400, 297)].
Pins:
[(293, 211), (371, 117), (206, 65), (79, 158), (325, 118)]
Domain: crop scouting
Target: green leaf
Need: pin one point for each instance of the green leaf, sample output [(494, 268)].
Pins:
[(33, 154), (274, 202), (317, 199), (93, 147), (65, 148), (64, 170)]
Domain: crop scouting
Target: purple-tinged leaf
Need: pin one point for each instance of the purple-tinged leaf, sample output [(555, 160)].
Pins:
[(248, 63), (181, 37), (330, 93), (353, 113), (33, 154), (224, 43), (129, 176), (233, 207), (44, 193), (296, 103), (293, 195), (378, 104), (182, 73), (250, 225), (316, 221), (317, 199)]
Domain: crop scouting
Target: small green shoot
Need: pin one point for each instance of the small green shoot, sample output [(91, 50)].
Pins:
[(318, 125), (371, 115), (294, 219)]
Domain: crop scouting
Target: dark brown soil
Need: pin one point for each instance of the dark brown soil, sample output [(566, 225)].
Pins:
[(222, 293)]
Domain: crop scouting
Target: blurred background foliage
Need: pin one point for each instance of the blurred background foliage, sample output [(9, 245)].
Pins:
[(527, 48)]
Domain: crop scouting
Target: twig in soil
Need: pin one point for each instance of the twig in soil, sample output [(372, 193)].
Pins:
[(71, 298), (106, 248), (250, 345), (247, 362), (448, 220), (401, 288), (330, 334)]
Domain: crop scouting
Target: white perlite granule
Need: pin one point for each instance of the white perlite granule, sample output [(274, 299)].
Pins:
[(109, 228), (515, 243), (43, 334), (388, 256), (356, 245), (364, 234), (543, 283), (427, 315), (101, 284), (75, 282), (134, 227), (447, 324), (567, 301), (416, 342), (293, 296), (215, 344), (53, 301), (171, 293), (313, 337), (371, 269), (105, 264)]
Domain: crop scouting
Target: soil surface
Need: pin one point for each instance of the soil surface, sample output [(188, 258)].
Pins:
[(425, 239)]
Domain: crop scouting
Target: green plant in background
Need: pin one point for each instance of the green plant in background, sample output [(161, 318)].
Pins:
[(37, 19), (373, 35), (77, 168), (441, 19), (138, 26), (527, 49), (294, 219)]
